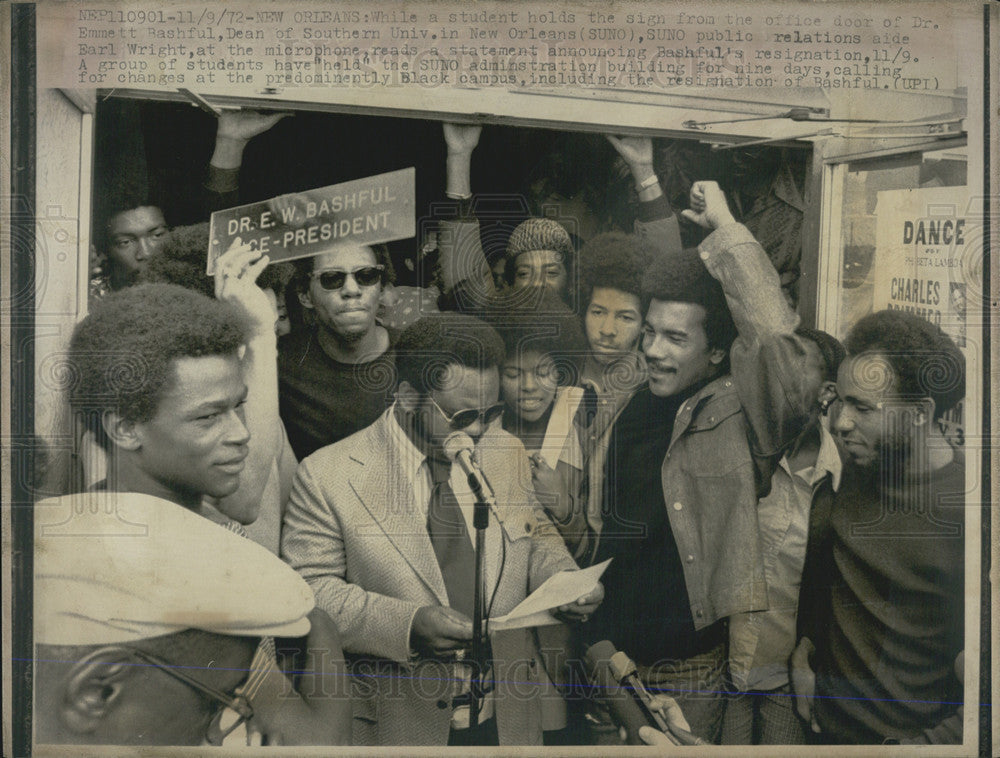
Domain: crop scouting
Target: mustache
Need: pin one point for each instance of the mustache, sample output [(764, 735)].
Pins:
[(893, 452)]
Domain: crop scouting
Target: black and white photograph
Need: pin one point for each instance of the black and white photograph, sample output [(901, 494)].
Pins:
[(584, 378)]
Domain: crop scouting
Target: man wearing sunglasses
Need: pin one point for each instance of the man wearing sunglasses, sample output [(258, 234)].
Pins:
[(145, 631), (334, 374), (380, 526)]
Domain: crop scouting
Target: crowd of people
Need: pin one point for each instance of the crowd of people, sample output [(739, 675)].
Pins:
[(273, 541)]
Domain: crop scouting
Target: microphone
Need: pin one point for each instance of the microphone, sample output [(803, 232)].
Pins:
[(625, 711), (458, 447), (627, 698)]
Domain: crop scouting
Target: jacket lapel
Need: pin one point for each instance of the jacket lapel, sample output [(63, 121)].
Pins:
[(387, 495), (688, 410)]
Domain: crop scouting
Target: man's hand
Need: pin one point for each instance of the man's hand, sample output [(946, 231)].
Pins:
[(290, 208), (652, 736), (803, 681), (548, 485), (235, 130), (671, 712), (440, 632), (582, 607), (246, 124), (636, 151), (708, 206), (236, 272), (461, 138)]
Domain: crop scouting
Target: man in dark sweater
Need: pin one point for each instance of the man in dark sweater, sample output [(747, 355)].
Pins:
[(336, 375), (690, 455), (881, 610)]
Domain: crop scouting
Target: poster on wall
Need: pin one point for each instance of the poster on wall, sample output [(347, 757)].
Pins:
[(920, 244), (920, 238), (467, 121)]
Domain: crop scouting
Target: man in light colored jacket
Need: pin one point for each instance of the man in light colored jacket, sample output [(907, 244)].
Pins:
[(363, 528)]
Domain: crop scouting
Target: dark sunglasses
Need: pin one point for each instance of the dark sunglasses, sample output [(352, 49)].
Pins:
[(334, 280), (237, 703), (465, 418)]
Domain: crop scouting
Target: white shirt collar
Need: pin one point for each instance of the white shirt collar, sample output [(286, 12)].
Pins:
[(827, 460), (411, 462), (595, 374)]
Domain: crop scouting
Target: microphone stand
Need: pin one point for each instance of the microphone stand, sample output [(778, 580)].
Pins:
[(480, 520), (458, 447)]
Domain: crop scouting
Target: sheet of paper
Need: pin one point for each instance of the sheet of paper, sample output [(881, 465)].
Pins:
[(558, 589)]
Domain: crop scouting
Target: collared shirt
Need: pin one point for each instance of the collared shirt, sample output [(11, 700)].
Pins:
[(606, 395), (617, 381), (827, 461), (413, 463), (760, 642), (414, 466)]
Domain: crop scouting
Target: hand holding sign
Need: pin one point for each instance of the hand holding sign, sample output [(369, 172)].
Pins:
[(635, 151), (236, 275), (291, 207)]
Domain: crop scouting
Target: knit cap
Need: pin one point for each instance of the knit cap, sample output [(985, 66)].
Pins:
[(539, 234)]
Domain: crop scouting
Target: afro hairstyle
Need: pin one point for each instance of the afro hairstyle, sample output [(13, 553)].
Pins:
[(432, 343), (614, 260), (182, 261), (121, 354), (683, 278), (925, 360), (543, 323)]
